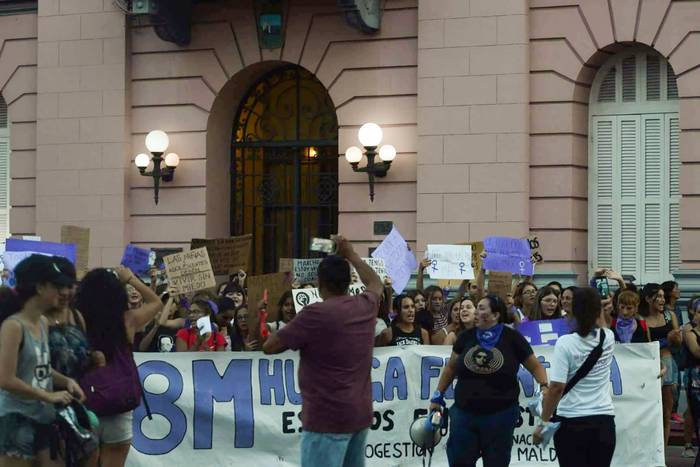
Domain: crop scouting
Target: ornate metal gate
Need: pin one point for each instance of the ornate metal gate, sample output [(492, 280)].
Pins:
[(284, 171)]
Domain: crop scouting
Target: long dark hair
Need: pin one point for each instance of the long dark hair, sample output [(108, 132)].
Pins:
[(237, 343), (537, 307), (648, 291), (428, 294), (103, 301), (10, 302), (498, 306), (668, 287), (586, 309), (398, 300)]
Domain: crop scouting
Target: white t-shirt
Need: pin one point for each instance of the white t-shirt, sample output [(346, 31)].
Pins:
[(592, 395), (379, 326)]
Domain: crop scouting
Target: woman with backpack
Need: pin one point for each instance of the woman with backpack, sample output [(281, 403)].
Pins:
[(27, 381), (579, 389), (114, 390)]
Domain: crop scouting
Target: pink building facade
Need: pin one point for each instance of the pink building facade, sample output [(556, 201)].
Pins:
[(494, 107)]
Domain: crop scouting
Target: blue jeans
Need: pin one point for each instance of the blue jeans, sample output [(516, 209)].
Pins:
[(333, 449), (487, 436)]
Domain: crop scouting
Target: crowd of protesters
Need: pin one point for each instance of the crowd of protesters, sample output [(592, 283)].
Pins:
[(61, 339)]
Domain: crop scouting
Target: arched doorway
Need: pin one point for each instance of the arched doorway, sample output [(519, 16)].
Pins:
[(284, 171), (634, 167)]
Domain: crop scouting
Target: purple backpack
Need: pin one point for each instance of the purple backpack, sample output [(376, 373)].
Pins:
[(115, 388)]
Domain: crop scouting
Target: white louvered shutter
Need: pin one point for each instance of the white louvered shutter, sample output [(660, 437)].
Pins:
[(628, 176), (674, 169), (629, 79), (4, 173), (607, 87), (603, 240), (653, 197), (653, 78)]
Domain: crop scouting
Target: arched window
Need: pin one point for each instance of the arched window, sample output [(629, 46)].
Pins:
[(284, 176), (4, 172), (634, 167)]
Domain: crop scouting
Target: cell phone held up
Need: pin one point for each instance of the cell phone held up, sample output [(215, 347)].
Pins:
[(601, 284), (323, 245)]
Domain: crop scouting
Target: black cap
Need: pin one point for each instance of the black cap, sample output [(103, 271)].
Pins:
[(40, 268)]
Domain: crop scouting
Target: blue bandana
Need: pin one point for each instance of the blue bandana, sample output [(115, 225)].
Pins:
[(488, 338), (625, 328)]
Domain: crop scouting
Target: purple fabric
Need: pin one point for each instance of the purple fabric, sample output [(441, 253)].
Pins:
[(488, 338), (625, 328), (67, 250)]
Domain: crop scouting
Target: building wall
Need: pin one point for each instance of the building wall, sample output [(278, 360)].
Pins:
[(18, 86), (569, 41), (193, 93), (473, 120)]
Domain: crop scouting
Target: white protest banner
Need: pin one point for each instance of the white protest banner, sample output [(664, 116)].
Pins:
[(243, 408), (450, 261), (190, 271), (305, 270), (399, 259), (307, 296), (377, 265)]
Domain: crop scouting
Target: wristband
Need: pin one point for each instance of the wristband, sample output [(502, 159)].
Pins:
[(438, 398), (663, 343)]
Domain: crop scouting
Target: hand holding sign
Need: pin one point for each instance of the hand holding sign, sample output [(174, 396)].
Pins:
[(450, 262)]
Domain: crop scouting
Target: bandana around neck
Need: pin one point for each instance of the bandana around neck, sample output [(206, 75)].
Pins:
[(488, 338), (625, 328)]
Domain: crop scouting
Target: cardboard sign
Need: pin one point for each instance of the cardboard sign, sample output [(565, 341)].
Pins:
[(505, 254), (137, 259), (161, 253), (305, 270), (190, 271), (399, 260), (276, 285), (450, 262), (80, 237), (308, 296), (285, 265), (48, 248), (500, 284), (226, 254), (477, 260)]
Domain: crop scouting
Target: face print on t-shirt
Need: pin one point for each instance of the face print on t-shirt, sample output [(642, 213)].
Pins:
[(483, 361), (166, 343)]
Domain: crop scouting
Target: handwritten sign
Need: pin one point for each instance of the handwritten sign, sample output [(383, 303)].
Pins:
[(137, 259), (305, 270), (399, 260), (190, 271), (500, 284), (226, 254), (48, 248), (80, 237), (536, 256), (505, 254), (450, 261), (545, 332), (308, 296)]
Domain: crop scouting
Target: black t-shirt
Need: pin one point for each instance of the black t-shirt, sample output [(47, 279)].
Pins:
[(425, 320), (487, 380), (163, 341), (639, 334)]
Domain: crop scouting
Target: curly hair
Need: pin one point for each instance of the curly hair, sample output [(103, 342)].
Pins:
[(103, 302)]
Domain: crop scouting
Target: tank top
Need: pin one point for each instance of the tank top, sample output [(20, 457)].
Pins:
[(399, 337), (69, 350), (34, 368), (661, 332)]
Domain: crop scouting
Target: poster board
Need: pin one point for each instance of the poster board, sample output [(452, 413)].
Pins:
[(500, 284), (80, 237), (190, 271), (227, 255)]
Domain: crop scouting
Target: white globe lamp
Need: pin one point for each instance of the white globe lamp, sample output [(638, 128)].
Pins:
[(353, 155), (370, 135), (387, 153), (157, 141)]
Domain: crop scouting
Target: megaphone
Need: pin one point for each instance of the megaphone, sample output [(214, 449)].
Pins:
[(424, 433)]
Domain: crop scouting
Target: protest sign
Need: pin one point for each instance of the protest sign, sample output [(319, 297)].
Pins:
[(242, 408), (450, 261), (399, 260), (161, 253), (500, 284), (545, 331), (477, 260), (137, 259), (227, 255), (308, 296), (505, 254), (535, 254), (48, 248), (276, 284), (285, 265), (190, 271), (305, 270), (80, 237)]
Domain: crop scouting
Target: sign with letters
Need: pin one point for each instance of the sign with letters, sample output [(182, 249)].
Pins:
[(399, 260), (505, 254), (227, 255), (242, 408), (307, 296), (137, 259), (190, 271)]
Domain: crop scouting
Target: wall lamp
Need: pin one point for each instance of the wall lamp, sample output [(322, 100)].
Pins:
[(157, 142), (370, 135)]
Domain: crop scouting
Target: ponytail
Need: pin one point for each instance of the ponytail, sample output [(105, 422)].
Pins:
[(586, 309)]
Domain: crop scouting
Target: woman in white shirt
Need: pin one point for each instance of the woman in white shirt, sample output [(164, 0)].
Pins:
[(586, 436)]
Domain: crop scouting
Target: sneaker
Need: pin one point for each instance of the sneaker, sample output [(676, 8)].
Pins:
[(676, 418), (688, 452)]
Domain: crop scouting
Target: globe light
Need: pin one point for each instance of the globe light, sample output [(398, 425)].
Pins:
[(172, 160), (387, 153), (370, 135), (353, 154), (157, 141), (142, 161)]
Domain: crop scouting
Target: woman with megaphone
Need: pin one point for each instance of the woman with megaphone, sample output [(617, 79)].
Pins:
[(485, 360)]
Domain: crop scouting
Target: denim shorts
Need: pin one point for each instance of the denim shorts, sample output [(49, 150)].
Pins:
[(333, 449), (671, 376), (21, 437)]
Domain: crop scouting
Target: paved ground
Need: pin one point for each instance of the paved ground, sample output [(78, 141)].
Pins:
[(674, 459)]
